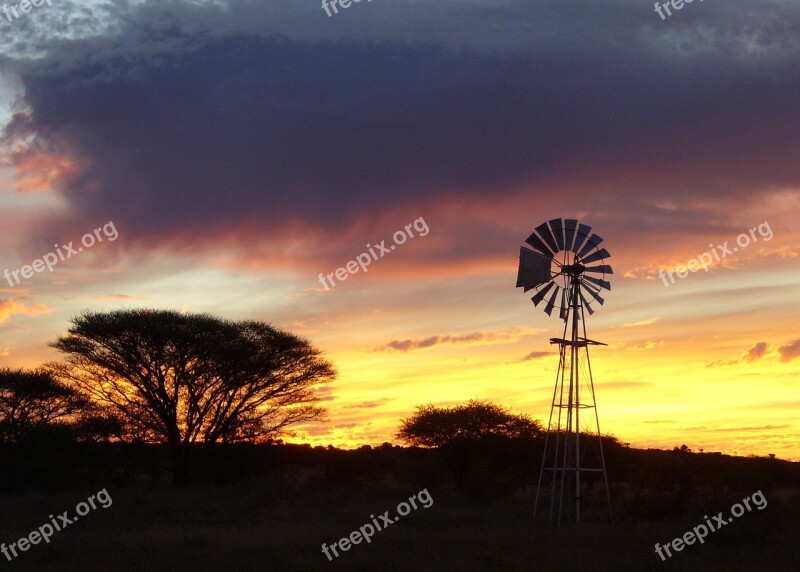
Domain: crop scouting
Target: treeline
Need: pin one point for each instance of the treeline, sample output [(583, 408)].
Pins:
[(36, 408), (646, 483), (163, 377)]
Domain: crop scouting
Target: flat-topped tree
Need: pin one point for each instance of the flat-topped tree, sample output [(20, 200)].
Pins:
[(475, 421), (184, 378)]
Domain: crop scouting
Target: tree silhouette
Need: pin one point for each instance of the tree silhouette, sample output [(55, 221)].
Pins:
[(101, 425), (184, 378), (32, 400), (475, 421), (467, 433)]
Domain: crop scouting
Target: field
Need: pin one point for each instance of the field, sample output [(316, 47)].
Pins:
[(278, 519)]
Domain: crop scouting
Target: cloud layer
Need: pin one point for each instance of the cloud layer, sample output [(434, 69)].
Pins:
[(207, 124)]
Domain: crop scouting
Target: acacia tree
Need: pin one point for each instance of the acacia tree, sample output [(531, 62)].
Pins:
[(466, 435), (475, 421), (185, 378), (31, 400)]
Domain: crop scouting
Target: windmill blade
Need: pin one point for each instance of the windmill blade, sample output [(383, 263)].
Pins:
[(570, 226), (544, 232), (599, 255), (604, 269), (588, 285), (583, 233), (586, 304), (595, 294), (551, 302), (534, 269), (602, 283), (593, 290), (591, 242), (537, 243), (541, 294), (557, 225), (564, 310)]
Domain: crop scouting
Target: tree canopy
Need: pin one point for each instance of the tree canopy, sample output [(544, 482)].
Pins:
[(432, 426), (31, 400), (183, 378)]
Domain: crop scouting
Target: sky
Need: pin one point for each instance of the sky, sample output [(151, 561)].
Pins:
[(222, 155)]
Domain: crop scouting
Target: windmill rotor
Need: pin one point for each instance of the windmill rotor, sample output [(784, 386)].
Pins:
[(562, 256)]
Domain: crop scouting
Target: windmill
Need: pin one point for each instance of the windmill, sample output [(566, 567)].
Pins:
[(566, 268)]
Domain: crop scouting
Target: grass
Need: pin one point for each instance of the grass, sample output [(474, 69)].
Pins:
[(243, 528)]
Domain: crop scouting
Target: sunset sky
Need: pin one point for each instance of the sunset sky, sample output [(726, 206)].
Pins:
[(243, 148)]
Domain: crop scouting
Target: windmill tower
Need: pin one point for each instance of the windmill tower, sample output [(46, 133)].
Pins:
[(563, 264)]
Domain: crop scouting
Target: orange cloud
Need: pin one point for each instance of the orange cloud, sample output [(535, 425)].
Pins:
[(12, 307), (38, 171), (640, 323)]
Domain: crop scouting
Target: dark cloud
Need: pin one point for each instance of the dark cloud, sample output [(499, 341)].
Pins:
[(752, 354), (369, 404), (790, 351), (407, 345), (324, 393), (194, 124), (537, 355), (475, 337), (756, 352), (719, 362)]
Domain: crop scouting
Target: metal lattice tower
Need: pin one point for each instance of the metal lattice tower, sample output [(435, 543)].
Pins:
[(558, 268)]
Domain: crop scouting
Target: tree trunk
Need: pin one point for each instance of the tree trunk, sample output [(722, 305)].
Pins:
[(180, 466)]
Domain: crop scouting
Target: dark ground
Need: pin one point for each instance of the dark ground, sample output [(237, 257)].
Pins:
[(271, 508)]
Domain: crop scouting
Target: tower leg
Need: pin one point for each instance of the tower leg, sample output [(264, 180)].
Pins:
[(563, 451)]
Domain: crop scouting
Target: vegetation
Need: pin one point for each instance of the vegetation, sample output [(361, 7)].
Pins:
[(479, 441), (269, 507), (33, 400), (475, 421), (183, 378)]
